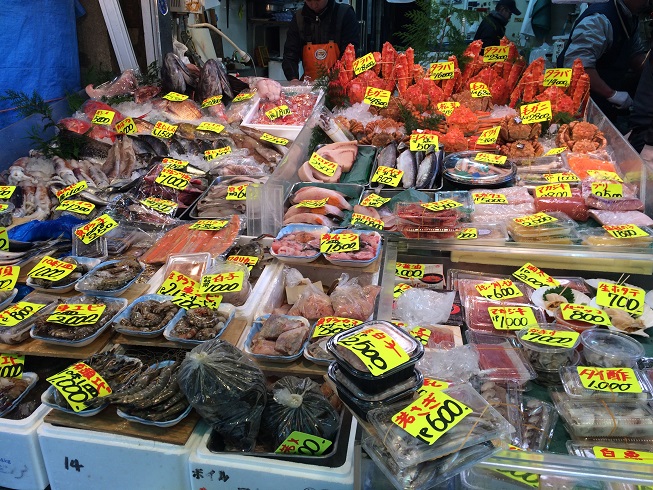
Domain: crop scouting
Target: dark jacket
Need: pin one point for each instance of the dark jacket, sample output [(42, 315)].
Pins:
[(492, 29), (318, 29)]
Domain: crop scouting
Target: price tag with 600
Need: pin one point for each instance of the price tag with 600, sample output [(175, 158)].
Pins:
[(377, 97), (388, 176), (339, 242), (331, 325), (378, 351), (173, 179), (625, 298), (96, 228), (77, 314), (225, 282), (498, 290)]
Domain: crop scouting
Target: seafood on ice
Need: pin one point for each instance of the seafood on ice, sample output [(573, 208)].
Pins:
[(280, 335)]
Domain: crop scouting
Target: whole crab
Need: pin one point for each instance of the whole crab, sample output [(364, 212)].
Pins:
[(522, 148), (581, 137), (512, 130)]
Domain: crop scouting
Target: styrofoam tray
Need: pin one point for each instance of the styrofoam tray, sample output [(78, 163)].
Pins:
[(32, 378), (127, 312), (47, 398), (226, 308), (82, 287)]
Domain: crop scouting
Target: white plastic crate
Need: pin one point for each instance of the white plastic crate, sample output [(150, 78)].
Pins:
[(82, 459), (21, 462)]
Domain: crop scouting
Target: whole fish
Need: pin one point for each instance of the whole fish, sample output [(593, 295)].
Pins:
[(224, 81), (426, 172), (209, 84), (256, 134), (387, 157), (244, 141), (175, 76), (406, 163)]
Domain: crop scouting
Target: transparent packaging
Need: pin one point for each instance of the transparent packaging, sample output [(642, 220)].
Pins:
[(548, 357), (190, 265), (598, 237), (20, 332), (574, 387), (605, 348), (415, 213), (467, 288), (586, 450), (564, 228), (97, 249), (504, 362), (151, 323), (279, 345), (67, 284), (551, 378), (213, 203), (504, 397), (477, 315), (462, 197), (237, 298), (457, 364), (614, 218), (31, 380), (370, 243), (461, 168), (539, 419)]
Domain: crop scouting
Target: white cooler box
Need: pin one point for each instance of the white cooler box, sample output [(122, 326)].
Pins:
[(21, 462), (101, 461)]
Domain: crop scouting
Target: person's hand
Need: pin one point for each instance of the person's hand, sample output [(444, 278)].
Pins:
[(621, 100)]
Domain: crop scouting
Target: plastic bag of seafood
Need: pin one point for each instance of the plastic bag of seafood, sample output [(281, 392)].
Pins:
[(227, 389)]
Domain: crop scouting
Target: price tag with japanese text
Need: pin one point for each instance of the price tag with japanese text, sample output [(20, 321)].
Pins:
[(447, 108), (6, 191), (491, 158), (479, 89), (625, 298), (331, 243), (51, 269), (71, 190), (374, 201), (388, 176), (8, 277), (173, 179), (363, 219), (536, 112), (16, 313), (305, 444), (12, 366), (612, 380), (536, 219), (467, 234), (492, 54), (553, 338), (511, 317), (78, 384), (364, 63), (77, 314), (216, 152), (604, 175), (331, 325), (409, 271), (489, 198), (175, 97), (161, 205), (431, 416), (423, 141), (431, 384), (313, 203), (190, 301), (164, 130), (625, 231), (534, 277), (275, 140), (608, 190), (243, 96), (247, 260), (103, 117), (634, 456), (79, 207), (441, 71), (237, 192), (322, 165), (175, 164), (211, 126), (530, 479), (185, 291), (126, 126), (489, 136), (443, 205), (211, 101), (400, 289), (377, 97), (4, 238), (96, 228), (209, 224), (379, 352), (421, 334), (556, 151), (498, 290), (559, 189), (225, 282), (557, 77), (562, 177), (584, 313), (278, 112)]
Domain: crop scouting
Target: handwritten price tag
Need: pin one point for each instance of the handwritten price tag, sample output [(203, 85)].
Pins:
[(604, 175), (331, 325), (363, 219), (467, 234), (161, 205), (489, 198), (602, 452), (164, 130), (313, 203), (278, 112), (379, 352), (443, 205), (534, 277), (553, 190), (447, 108), (612, 380), (11, 366), (175, 164), (387, 176), (536, 219), (364, 63), (441, 71), (237, 192), (228, 282), (377, 97), (177, 283), (511, 318), (173, 179), (608, 190), (421, 334), (491, 158), (8, 277), (211, 101), (175, 97), (51, 269), (71, 190), (16, 313), (562, 177), (6, 191), (78, 384), (625, 231), (555, 151), (479, 89), (409, 271), (431, 416), (4, 239), (241, 97), (322, 165), (431, 384), (247, 260), (209, 224), (489, 136), (557, 77), (302, 443), (553, 338), (126, 126), (534, 113), (498, 290), (530, 479), (625, 298), (492, 54), (331, 243), (96, 228), (211, 154), (400, 289), (211, 126), (275, 140), (77, 314), (423, 141), (103, 117), (79, 207), (584, 313), (374, 201)]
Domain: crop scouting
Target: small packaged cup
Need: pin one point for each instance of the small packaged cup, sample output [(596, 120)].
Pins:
[(605, 348), (548, 346)]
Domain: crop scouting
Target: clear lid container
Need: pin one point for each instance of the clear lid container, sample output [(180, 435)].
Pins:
[(414, 212), (277, 338), (190, 265), (504, 362), (551, 378), (97, 249), (574, 387), (20, 332), (237, 298), (599, 237), (547, 356), (478, 317), (577, 325), (467, 288), (462, 197), (504, 397), (341, 379), (563, 226), (539, 419), (425, 232), (462, 168), (605, 348)]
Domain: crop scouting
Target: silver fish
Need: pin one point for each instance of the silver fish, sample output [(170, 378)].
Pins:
[(425, 172), (406, 163), (387, 157)]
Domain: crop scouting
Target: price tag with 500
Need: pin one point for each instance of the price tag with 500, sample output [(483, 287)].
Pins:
[(339, 242), (96, 228), (378, 351), (423, 141)]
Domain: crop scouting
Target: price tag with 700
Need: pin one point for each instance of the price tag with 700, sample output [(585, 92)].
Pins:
[(625, 298), (126, 126)]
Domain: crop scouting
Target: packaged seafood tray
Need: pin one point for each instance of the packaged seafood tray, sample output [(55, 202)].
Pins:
[(47, 399), (27, 382), (462, 197), (298, 244), (341, 199), (97, 249), (573, 206), (421, 170), (67, 284), (17, 333), (574, 387), (429, 474), (190, 265), (551, 377), (316, 349), (464, 170), (531, 171), (504, 362), (369, 249), (479, 318), (548, 356), (615, 218), (549, 298), (605, 348), (78, 335), (504, 397), (467, 288), (24, 469), (483, 478), (149, 319), (283, 130), (600, 238), (580, 163), (6, 297), (455, 275), (6, 214), (539, 419), (482, 424), (214, 202), (586, 450), (270, 339), (417, 214), (192, 327), (434, 336), (561, 230), (111, 278)]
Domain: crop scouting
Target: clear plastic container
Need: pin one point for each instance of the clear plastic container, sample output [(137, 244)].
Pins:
[(461, 168), (6, 214), (574, 387), (586, 450), (415, 213), (599, 237), (118, 326), (32, 379), (551, 377), (563, 230), (360, 258), (605, 348), (504, 397), (477, 314), (66, 284), (97, 249), (190, 265), (504, 362), (20, 332), (467, 288), (539, 419), (548, 357), (462, 197)]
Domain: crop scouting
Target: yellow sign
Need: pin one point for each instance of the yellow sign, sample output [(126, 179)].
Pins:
[(443, 205), (534, 277), (161, 205), (467, 234), (511, 317), (447, 108), (364, 63), (377, 97), (423, 141), (276, 140), (173, 178), (553, 190), (174, 163), (77, 314), (241, 97), (604, 175), (210, 126), (498, 290), (211, 154), (374, 201), (175, 97), (79, 207), (209, 224), (625, 231), (126, 126), (553, 338), (211, 101), (489, 198), (557, 77), (400, 289), (331, 243), (608, 190), (8, 277), (625, 298), (11, 366), (489, 136), (634, 456), (421, 334), (96, 228), (536, 112), (237, 192), (164, 130), (278, 112), (530, 479), (409, 271), (4, 239), (441, 71), (331, 325), (323, 165), (584, 313), (103, 117), (176, 283), (71, 190), (491, 158), (304, 444), (388, 176), (562, 177), (556, 151), (225, 282), (51, 269), (479, 89), (492, 54), (379, 352), (313, 203), (536, 219), (432, 385), (16, 313), (6, 191), (363, 219), (78, 384), (612, 380)]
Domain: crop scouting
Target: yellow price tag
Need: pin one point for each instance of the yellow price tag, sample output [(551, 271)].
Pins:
[(584, 313), (634, 456), (79, 207), (331, 243), (374, 201), (75, 315), (304, 444), (212, 154), (441, 71), (491, 158), (71, 190), (431, 384), (443, 205), (608, 190), (523, 477), (612, 380), (536, 219), (331, 325), (8, 277), (161, 205), (211, 101), (489, 198), (400, 289), (363, 219), (625, 298), (16, 313), (177, 283), (489, 136), (555, 151), (173, 178), (51, 269), (237, 192), (498, 290), (78, 384), (278, 112), (209, 224), (126, 126), (562, 177), (377, 97), (604, 175), (164, 130), (103, 117), (175, 164), (226, 282), (534, 113), (313, 203), (276, 140), (479, 89), (379, 352), (447, 108), (421, 334), (241, 97), (467, 234), (423, 141), (409, 271), (492, 54), (511, 317), (12, 366), (96, 228), (6, 191), (559, 189), (364, 63), (175, 97), (557, 77), (625, 231), (387, 176), (190, 301), (4, 239), (534, 277), (210, 126), (247, 260), (322, 165), (553, 338)]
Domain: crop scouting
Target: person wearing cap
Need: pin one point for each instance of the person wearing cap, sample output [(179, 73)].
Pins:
[(493, 26)]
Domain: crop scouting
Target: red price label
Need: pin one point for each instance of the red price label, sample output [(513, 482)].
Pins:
[(8, 277)]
